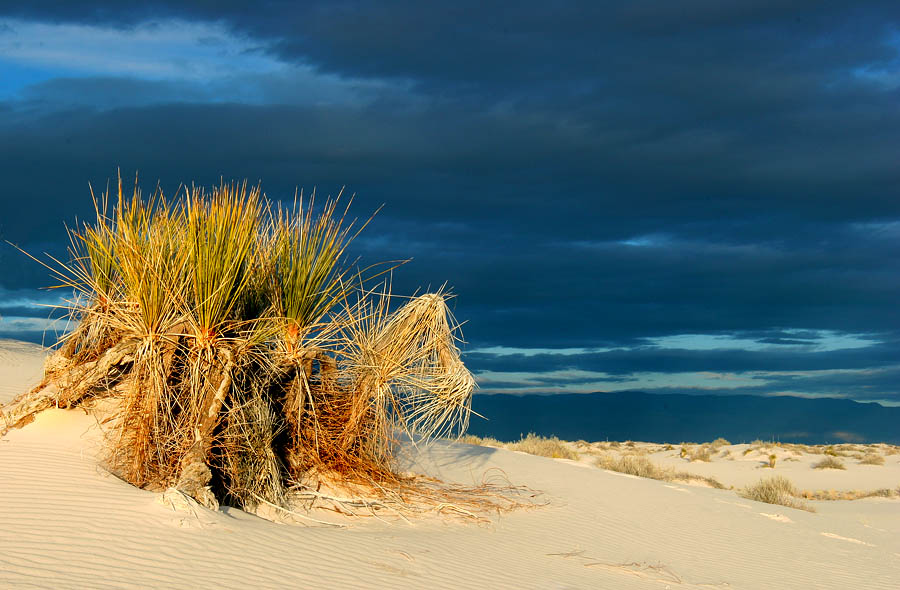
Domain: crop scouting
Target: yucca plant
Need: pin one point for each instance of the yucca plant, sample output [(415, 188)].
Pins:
[(309, 276), (242, 353), (152, 269), (404, 370)]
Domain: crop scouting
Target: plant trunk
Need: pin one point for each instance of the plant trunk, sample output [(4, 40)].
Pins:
[(70, 387), (194, 474)]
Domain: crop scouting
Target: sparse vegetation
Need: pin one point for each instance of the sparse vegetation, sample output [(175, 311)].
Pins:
[(701, 453), (850, 494), (532, 444), (641, 466), (718, 444), (485, 441), (872, 459), (775, 490), (829, 462), (772, 458), (543, 447)]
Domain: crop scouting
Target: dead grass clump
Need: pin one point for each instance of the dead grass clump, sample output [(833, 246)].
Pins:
[(829, 462), (775, 490), (641, 466), (849, 494), (543, 446), (701, 453), (483, 441), (636, 465), (532, 444), (241, 354), (718, 444), (836, 451), (872, 459)]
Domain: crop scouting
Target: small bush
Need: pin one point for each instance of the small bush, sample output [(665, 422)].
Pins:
[(542, 446), (641, 466), (829, 462), (719, 443), (849, 495), (700, 454), (632, 465), (772, 459), (775, 490), (487, 441), (833, 451), (872, 459)]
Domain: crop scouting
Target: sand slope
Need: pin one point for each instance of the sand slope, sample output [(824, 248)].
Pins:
[(68, 524)]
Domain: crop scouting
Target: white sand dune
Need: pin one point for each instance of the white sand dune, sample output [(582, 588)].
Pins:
[(65, 523)]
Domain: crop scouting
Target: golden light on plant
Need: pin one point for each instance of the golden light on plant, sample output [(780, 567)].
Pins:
[(241, 354)]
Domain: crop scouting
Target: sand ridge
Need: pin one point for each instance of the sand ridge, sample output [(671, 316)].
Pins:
[(69, 524)]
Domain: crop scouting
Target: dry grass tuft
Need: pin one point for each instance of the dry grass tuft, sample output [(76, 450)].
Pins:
[(532, 444), (829, 462), (718, 444), (849, 494), (543, 446), (701, 453), (872, 459), (775, 490), (641, 466)]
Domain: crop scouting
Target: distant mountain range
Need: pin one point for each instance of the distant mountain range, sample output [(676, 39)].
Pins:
[(684, 418)]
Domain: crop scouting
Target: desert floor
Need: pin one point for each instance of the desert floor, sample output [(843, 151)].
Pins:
[(67, 523)]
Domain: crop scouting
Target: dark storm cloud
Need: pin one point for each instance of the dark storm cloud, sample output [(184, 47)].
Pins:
[(587, 177)]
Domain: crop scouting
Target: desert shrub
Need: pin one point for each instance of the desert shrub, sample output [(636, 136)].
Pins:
[(700, 454), (775, 490), (632, 465), (829, 462), (872, 459), (485, 441), (772, 458), (641, 466), (836, 451), (243, 354), (718, 444), (543, 447), (849, 494)]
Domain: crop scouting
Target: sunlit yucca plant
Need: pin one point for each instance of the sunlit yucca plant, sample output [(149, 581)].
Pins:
[(242, 353)]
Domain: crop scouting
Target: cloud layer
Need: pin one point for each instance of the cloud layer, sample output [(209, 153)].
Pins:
[(596, 178)]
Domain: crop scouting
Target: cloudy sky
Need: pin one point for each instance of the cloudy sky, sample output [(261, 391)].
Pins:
[(694, 196)]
